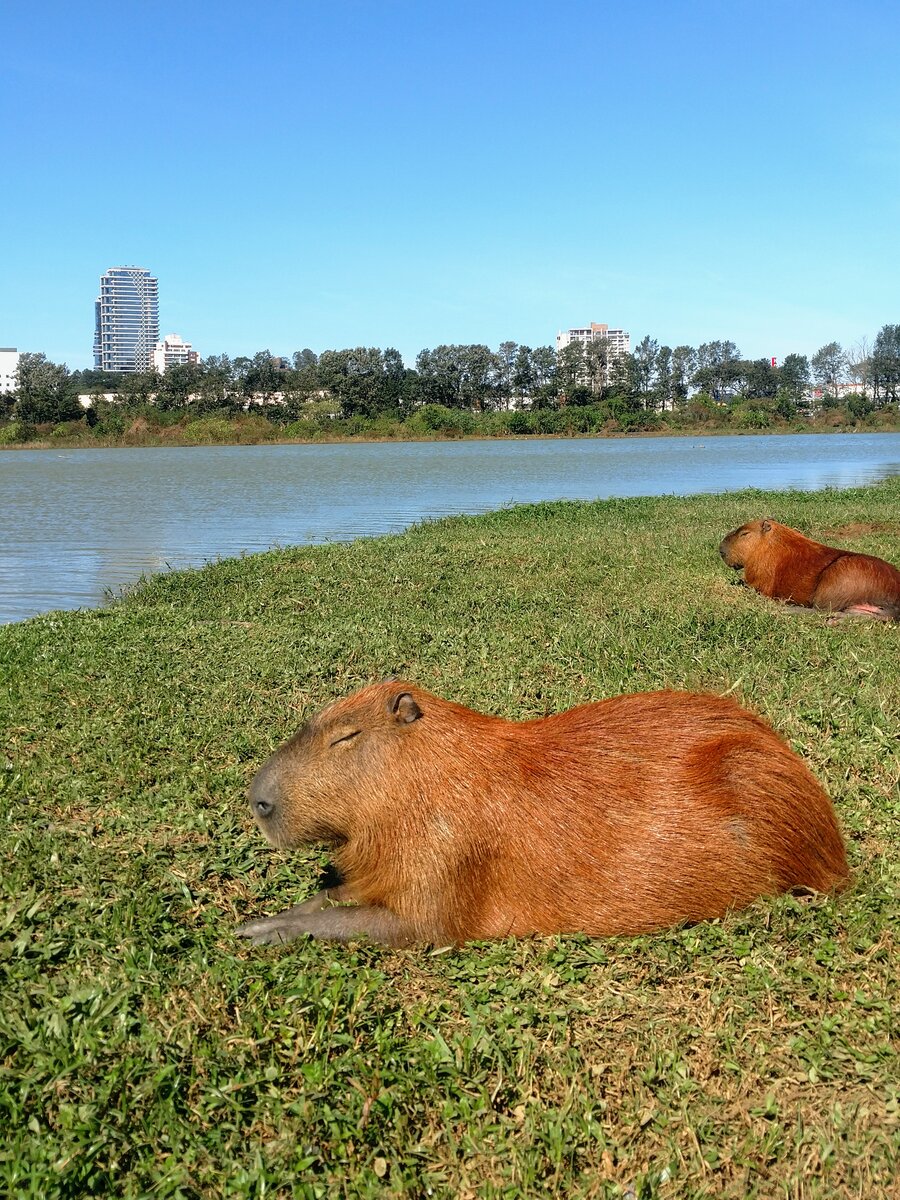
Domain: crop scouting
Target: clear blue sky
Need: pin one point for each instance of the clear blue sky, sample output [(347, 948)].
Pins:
[(334, 173)]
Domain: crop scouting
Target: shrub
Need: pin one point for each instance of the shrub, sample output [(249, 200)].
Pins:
[(859, 406), (750, 416), (209, 431), (113, 424), (13, 432), (302, 428), (436, 418), (640, 422), (68, 429), (520, 422), (549, 420)]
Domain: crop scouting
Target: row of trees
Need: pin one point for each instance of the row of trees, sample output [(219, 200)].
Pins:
[(370, 382)]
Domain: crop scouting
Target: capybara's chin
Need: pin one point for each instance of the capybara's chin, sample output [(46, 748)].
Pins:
[(619, 817)]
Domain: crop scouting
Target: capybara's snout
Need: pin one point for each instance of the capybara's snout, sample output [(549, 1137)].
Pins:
[(265, 800), (726, 550)]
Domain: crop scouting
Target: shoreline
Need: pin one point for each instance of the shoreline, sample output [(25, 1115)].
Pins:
[(154, 443)]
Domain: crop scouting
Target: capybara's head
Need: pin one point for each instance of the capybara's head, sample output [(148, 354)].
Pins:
[(737, 546), (308, 790)]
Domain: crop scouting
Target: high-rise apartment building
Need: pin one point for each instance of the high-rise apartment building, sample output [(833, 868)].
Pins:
[(127, 320), (619, 340), (172, 350), (9, 368)]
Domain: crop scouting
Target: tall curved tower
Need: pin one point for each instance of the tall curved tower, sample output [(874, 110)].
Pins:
[(126, 320)]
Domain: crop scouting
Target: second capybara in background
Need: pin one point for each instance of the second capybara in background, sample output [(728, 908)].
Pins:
[(784, 564), (618, 817)]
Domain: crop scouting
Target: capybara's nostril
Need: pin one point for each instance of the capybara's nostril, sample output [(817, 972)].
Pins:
[(261, 803)]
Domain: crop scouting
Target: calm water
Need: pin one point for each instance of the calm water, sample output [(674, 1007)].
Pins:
[(75, 524)]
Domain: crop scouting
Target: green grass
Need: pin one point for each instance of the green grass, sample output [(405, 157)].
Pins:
[(148, 1052)]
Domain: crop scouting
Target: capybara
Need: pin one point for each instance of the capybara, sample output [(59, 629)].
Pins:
[(785, 564), (624, 816)]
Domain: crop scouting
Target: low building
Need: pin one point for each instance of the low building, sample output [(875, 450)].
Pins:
[(9, 369), (172, 350)]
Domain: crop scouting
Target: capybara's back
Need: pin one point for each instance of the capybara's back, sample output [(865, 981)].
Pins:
[(652, 809), (623, 816)]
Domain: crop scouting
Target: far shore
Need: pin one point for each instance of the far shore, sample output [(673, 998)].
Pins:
[(175, 436)]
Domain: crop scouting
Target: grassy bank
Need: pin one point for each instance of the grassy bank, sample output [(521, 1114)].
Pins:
[(145, 1051)]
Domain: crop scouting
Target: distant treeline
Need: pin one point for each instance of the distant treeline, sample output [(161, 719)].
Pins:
[(369, 384)]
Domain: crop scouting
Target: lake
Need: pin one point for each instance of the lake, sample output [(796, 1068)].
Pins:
[(77, 524)]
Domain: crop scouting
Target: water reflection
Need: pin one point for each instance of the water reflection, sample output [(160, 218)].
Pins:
[(76, 524)]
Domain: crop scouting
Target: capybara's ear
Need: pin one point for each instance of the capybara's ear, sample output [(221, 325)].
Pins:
[(405, 709), (766, 525)]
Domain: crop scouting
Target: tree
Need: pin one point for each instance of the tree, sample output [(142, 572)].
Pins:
[(44, 392), (216, 383), (355, 378), (859, 364), (178, 384), (759, 379), (570, 371), (717, 369), (644, 357), (886, 364), (261, 377), (504, 371), (663, 387), (440, 375), (304, 359), (478, 373), (523, 380), (597, 357), (394, 377), (137, 388), (827, 366), (793, 379), (684, 361), (545, 392)]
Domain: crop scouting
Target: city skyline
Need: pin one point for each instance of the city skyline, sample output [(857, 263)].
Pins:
[(408, 178)]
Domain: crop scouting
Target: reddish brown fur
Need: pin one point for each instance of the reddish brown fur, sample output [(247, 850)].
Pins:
[(782, 563), (618, 817)]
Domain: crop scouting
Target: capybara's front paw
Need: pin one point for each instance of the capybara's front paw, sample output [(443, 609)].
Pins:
[(269, 931)]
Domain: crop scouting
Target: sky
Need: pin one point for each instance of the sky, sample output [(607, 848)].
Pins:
[(334, 173)]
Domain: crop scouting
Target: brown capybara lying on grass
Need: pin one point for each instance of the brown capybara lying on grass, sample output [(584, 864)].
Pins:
[(620, 817), (782, 563)]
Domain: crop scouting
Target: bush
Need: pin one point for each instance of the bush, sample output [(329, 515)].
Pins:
[(303, 428), (859, 406), (549, 420), (14, 432), (520, 422), (436, 418), (68, 429), (746, 416), (210, 431), (113, 424)]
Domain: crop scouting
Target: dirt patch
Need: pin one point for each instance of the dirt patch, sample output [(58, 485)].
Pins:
[(860, 529)]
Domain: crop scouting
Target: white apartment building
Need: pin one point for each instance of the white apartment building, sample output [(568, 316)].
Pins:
[(9, 369), (619, 340), (171, 350)]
